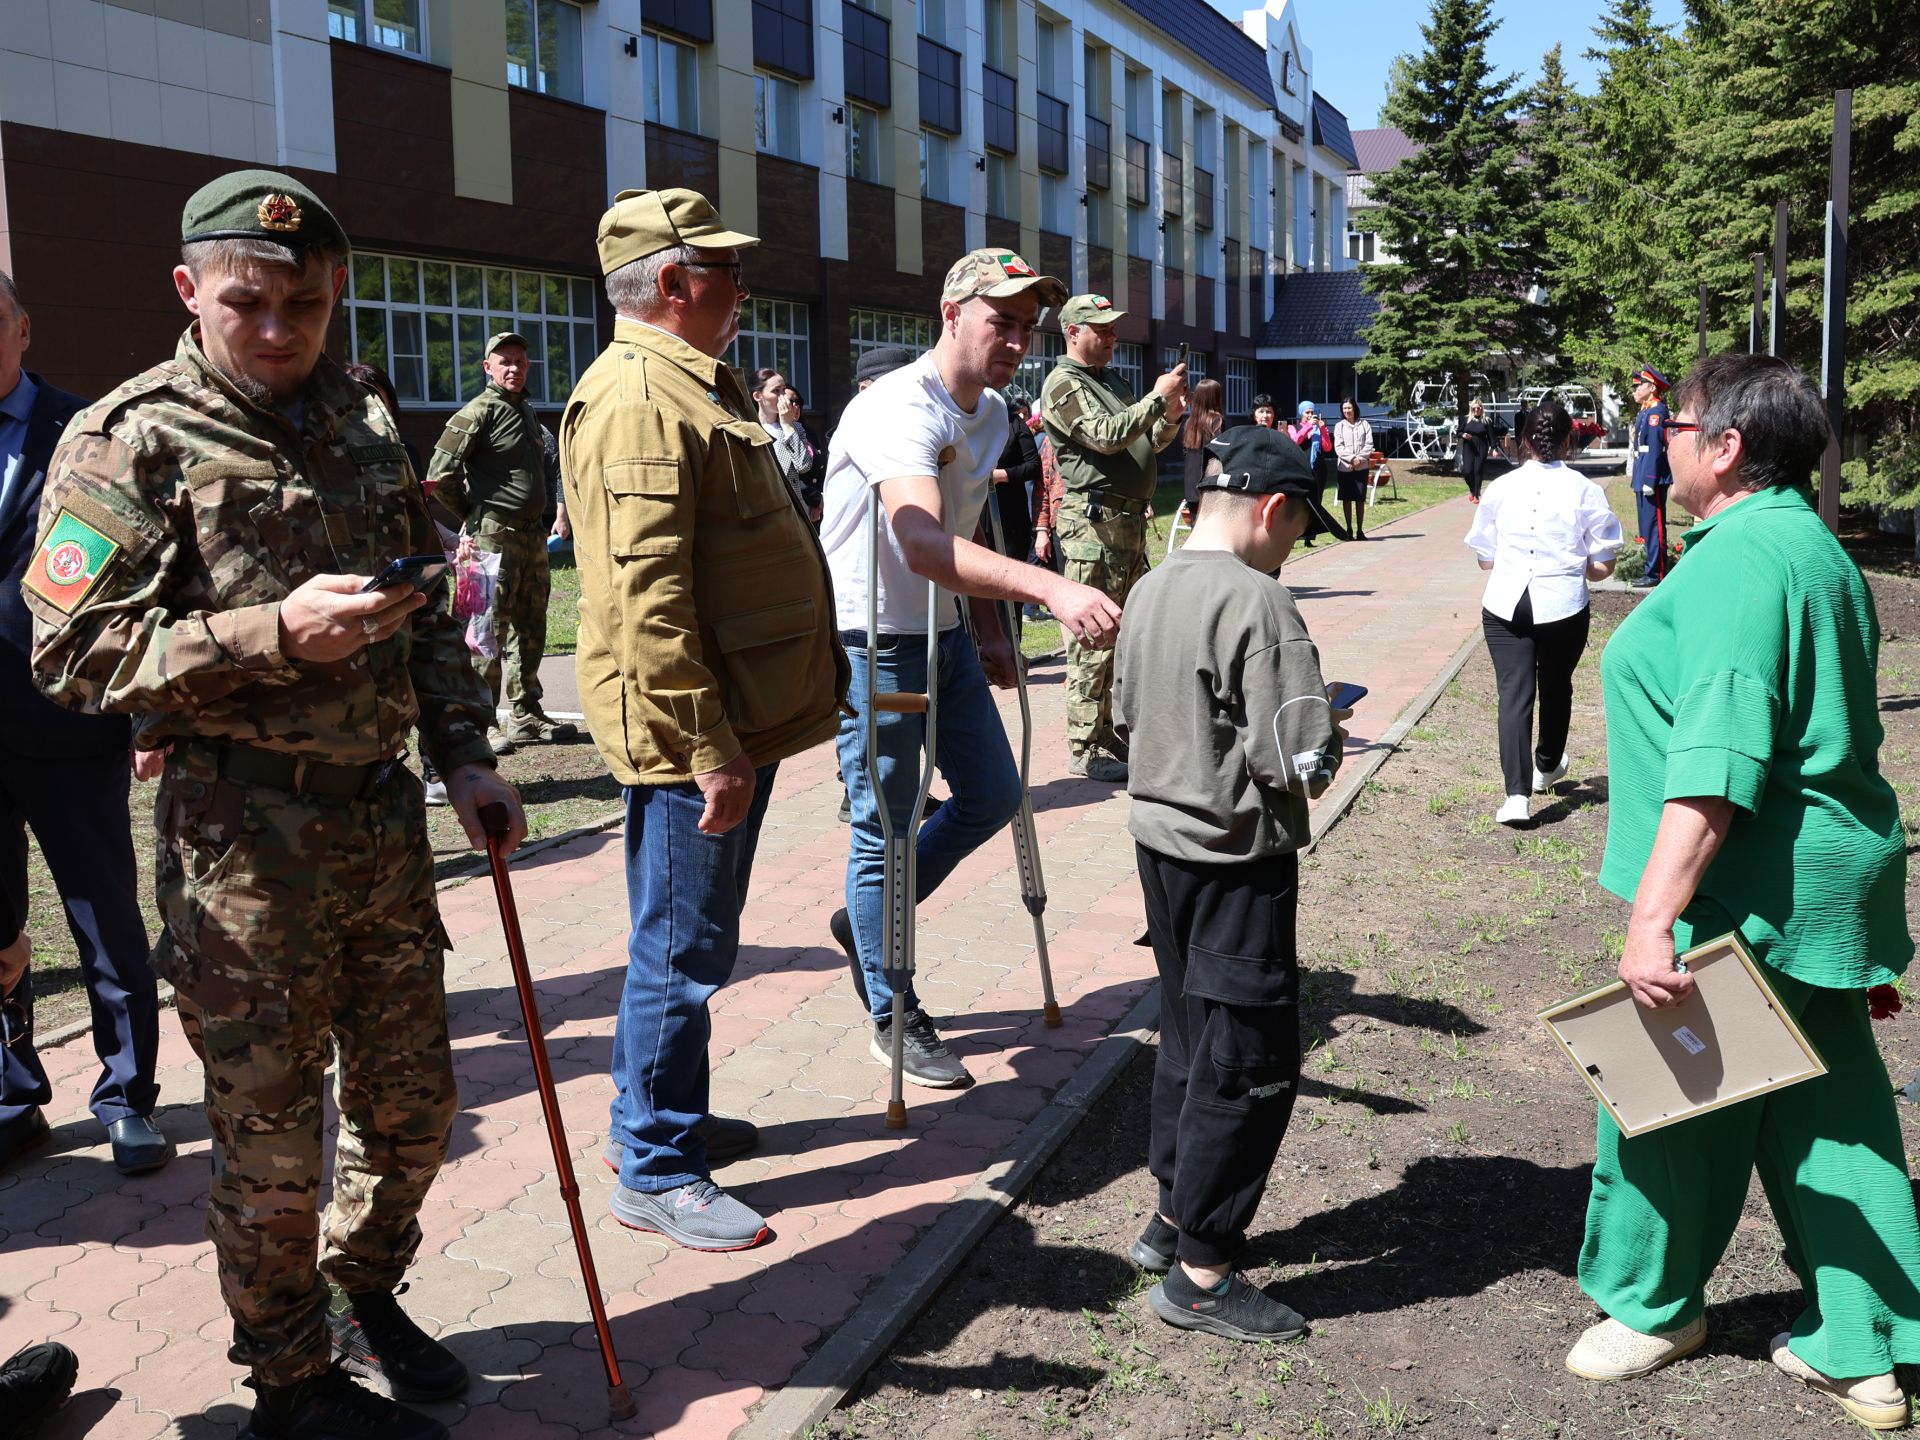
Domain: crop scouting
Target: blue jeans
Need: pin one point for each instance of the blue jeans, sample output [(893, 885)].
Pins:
[(973, 757), (685, 891)]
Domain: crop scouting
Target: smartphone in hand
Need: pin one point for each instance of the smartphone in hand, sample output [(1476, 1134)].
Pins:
[(1344, 695), (412, 572)]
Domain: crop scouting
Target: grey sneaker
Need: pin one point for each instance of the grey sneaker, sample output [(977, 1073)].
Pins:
[(1095, 766), (501, 742), (925, 1059), (537, 727), (699, 1215)]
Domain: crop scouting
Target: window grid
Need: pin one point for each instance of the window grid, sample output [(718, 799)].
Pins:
[(393, 25), (776, 107), (1052, 115), (426, 323), (691, 18), (864, 154), (999, 99), (1173, 173), (1044, 347), (1196, 363), (939, 86), (870, 329), (1139, 156), (936, 166), (1099, 154), (1238, 384), (783, 36), (1202, 199), (775, 335), (868, 44), (543, 47), (1131, 361), (671, 73)]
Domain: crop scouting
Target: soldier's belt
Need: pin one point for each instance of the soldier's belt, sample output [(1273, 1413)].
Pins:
[(1109, 502), (300, 775)]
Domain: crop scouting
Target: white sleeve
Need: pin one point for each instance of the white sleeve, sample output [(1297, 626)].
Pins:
[(1600, 527), (1483, 536), (906, 442)]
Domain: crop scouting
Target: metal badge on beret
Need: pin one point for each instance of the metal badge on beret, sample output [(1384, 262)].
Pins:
[(279, 212)]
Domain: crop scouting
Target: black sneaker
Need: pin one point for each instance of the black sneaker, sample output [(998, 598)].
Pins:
[(374, 1340), (842, 927), (333, 1407), (35, 1383), (925, 1059), (1153, 1251), (1244, 1312)]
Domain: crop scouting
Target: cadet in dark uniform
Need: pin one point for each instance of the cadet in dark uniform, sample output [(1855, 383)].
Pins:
[(1651, 472), (206, 537)]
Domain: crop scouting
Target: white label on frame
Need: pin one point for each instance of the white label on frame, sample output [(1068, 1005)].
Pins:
[(1692, 1041)]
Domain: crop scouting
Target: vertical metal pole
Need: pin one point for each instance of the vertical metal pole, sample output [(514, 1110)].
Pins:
[(1759, 301), (1703, 322), (1833, 339), (1777, 310)]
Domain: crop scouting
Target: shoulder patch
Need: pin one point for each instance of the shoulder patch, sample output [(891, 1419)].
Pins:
[(365, 457), (69, 562), (1654, 419)]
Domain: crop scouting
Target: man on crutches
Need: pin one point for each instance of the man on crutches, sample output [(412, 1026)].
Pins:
[(926, 438)]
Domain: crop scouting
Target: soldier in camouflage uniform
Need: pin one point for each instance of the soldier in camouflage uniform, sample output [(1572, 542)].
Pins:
[(1105, 441), (206, 537), (489, 471)]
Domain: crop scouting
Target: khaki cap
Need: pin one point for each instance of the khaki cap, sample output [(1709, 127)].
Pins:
[(506, 337), (260, 205), (998, 273), (1089, 310), (643, 222)]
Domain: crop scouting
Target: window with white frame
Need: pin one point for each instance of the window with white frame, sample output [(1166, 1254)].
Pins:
[(775, 335), (1003, 186), (1131, 361), (936, 166), (1099, 221), (1056, 204), (930, 19), (865, 158), (1044, 347), (776, 114), (543, 47), (671, 73), (1142, 234), (870, 329), (1238, 384), (1361, 245), (389, 24), (1196, 363), (426, 323), (1206, 255)]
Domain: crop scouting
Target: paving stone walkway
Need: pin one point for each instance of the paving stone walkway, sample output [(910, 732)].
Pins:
[(119, 1269)]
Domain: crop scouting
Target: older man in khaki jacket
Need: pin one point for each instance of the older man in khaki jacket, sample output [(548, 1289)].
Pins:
[(707, 655)]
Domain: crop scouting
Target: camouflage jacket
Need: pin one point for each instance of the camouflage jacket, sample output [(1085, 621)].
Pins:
[(1105, 439), (176, 518), (491, 457)]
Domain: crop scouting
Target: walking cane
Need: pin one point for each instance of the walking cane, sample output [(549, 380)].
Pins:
[(899, 862), (1026, 842), (496, 822)]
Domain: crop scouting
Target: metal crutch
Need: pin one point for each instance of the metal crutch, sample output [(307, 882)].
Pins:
[(496, 822), (900, 864), (1026, 842), (1173, 530)]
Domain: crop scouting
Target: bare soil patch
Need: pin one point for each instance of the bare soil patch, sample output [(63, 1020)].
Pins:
[(1426, 1209)]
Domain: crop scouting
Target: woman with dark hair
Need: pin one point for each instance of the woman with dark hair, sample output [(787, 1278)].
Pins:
[(1544, 530), (1353, 458), (1205, 419), (814, 478), (1264, 413), (779, 417), (1014, 479)]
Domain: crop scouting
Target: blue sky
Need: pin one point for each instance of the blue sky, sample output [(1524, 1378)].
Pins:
[(1352, 43)]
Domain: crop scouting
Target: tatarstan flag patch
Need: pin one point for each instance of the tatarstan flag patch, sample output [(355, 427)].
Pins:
[(73, 557)]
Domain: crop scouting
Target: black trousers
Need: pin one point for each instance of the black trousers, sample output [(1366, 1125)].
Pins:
[(1472, 462), (1532, 660), (1229, 1062), (78, 811)]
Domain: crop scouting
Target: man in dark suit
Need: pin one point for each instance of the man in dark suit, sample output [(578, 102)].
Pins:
[(67, 776)]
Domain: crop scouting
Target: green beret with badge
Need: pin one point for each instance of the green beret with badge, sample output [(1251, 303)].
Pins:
[(261, 205), (1089, 310)]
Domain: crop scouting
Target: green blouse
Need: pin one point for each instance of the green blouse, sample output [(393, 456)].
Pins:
[(1749, 675)]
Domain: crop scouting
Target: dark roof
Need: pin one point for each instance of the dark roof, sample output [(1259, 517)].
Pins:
[(1330, 130), (1215, 41), (1318, 307), (1382, 149)]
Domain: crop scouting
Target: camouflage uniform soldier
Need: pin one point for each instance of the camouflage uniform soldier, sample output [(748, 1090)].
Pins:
[(206, 536), (1105, 442), (490, 472)]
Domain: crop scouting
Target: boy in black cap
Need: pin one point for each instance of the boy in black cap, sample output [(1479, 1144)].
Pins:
[(1218, 688)]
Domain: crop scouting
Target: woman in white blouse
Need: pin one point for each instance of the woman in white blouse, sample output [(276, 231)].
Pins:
[(780, 417), (1544, 530)]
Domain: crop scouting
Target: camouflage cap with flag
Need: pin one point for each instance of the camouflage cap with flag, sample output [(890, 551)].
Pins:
[(1089, 310), (998, 273), (69, 562)]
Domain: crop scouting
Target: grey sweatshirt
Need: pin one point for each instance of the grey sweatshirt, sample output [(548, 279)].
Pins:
[(1217, 692)]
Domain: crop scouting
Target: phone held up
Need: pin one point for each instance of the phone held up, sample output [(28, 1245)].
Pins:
[(1344, 695), (413, 572)]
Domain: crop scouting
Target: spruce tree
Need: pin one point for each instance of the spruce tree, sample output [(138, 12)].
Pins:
[(1576, 309), (1457, 217)]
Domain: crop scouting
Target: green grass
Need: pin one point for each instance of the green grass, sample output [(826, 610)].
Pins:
[(563, 607)]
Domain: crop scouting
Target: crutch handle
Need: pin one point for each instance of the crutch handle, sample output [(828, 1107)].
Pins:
[(900, 702), (494, 818)]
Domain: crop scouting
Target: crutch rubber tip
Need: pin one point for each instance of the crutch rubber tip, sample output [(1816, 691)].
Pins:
[(620, 1404), (896, 1115), (1050, 1012)]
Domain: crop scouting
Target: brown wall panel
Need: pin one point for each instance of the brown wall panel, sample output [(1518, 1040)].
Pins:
[(1003, 234), (787, 260), (1138, 325), (1100, 270), (943, 238), (1056, 256), (677, 158), (1175, 288)]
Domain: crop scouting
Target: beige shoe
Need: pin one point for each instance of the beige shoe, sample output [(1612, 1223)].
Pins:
[(1610, 1351), (1096, 766), (1876, 1401)]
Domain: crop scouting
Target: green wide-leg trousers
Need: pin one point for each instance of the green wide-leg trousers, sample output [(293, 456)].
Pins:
[(1664, 1205)]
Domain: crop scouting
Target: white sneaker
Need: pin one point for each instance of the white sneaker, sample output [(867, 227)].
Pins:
[(1515, 811), (1544, 781), (1610, 1351), (1876, 1401)]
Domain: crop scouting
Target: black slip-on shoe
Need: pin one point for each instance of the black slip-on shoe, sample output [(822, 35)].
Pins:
[(1244, 1312), (1153, 1251), (138, 1145)]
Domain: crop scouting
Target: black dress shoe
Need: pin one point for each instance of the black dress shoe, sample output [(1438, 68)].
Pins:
[(138, 1144), (29, 1132), (34, 1383), (1646, 582)]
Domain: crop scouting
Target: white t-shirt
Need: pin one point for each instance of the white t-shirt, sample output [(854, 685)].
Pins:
[(902, 425), (1540, 525)]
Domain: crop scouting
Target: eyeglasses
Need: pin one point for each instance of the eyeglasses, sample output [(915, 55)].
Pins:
[(738, 267), (1673, 425)]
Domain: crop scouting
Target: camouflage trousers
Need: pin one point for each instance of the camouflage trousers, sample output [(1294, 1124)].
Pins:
[(1110, 554), (299, 929), (519, 610)]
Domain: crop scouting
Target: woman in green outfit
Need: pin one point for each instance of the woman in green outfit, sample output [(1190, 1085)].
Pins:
[(1745, 792)]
